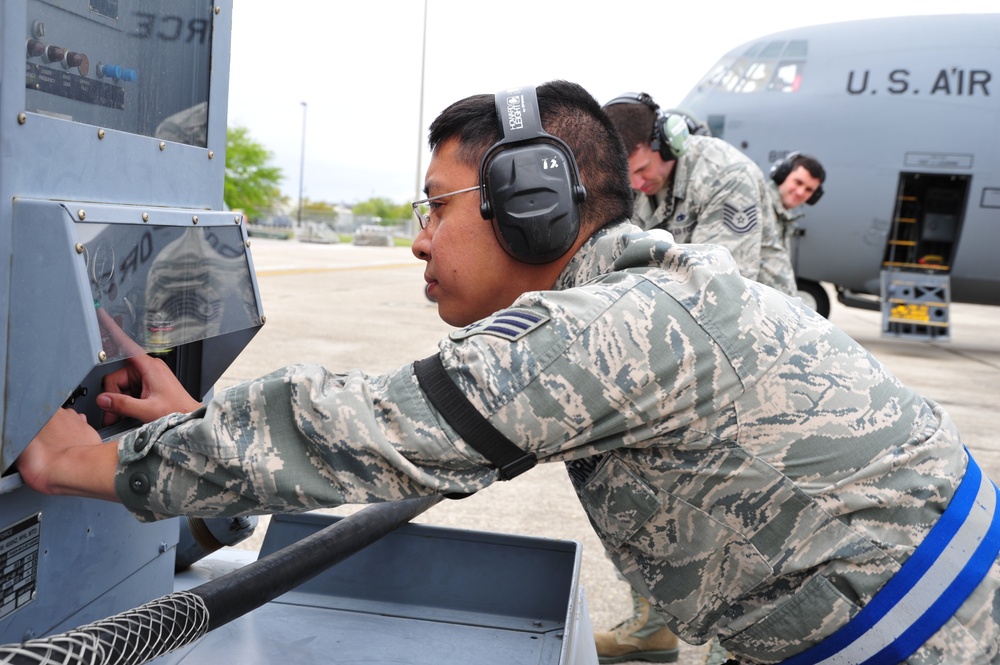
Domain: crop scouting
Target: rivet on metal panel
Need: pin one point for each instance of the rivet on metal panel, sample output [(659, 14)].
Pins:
[(163, 145), (194, 219), (263, 320), (22, 118), (102, 356), (82, 214), (218, 9), (79, 248), (100, 133), (211, 154), (145, 216)]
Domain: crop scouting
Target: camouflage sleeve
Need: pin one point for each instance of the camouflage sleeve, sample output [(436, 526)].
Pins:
[(298, 439), (732, 216)]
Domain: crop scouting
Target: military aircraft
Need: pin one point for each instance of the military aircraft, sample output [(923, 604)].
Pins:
[(904, 114)]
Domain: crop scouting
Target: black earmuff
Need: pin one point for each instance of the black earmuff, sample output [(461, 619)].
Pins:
[(780, 170), (530, 183)]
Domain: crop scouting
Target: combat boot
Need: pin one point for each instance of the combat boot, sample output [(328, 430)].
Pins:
[(644, 636), (717, 654)]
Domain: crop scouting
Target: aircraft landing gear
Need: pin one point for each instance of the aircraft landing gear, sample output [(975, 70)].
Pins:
[(814, 296)]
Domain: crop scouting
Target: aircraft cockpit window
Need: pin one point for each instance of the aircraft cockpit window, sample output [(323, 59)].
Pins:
[(755, 78), (733, 79), (729, 81), (773, 50), (764, 66), (715, 75), (787, 77), (797, 48)]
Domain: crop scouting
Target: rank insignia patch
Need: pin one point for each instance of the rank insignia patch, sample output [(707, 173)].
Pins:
[(509, 324), (740, 221)]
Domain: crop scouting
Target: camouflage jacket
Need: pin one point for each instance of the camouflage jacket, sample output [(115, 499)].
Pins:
[(718, 195), (749, 468), (786, 218)]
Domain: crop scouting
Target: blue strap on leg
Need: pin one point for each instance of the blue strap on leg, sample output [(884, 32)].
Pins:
[(928, 589)]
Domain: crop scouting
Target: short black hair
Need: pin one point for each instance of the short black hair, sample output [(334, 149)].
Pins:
[(569, 113), (811, 164)]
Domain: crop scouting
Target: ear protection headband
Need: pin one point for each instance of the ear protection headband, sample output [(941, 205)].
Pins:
[(671, 129), (530, 183), (782, 169)]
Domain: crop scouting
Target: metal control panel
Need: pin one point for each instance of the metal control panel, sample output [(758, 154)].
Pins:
[(113, 174), (114, 241)]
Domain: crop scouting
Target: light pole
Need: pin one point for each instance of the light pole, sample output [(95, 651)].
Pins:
[(302, 162), (420, 132)]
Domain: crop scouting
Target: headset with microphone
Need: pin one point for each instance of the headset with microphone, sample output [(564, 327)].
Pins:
[(671, 128), (782, 169), (530, 183)]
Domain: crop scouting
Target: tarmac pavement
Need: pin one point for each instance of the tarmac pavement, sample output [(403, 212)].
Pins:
[(348, 307)]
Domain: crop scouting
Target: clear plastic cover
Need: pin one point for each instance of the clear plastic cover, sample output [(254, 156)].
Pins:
[(141, 66), (156, 288)]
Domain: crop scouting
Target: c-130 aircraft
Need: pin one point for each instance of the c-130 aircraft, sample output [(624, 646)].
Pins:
[(904, 115)]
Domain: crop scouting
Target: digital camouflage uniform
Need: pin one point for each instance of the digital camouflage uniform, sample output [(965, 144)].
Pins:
[(786, 218), (752, 470), (719, 196)]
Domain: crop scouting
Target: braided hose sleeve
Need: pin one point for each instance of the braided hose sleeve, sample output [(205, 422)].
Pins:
[(178, 619)]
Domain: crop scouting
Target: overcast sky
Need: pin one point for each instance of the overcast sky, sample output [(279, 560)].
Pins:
[(357, 66)]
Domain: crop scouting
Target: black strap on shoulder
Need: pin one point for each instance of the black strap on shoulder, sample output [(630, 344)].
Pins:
[(442, 392)]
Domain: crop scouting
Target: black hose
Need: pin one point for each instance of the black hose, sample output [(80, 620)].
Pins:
[(236, 593), (178, 619)]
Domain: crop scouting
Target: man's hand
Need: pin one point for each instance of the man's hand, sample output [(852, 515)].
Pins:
[(117, 343), (144, 389), (68, 457)]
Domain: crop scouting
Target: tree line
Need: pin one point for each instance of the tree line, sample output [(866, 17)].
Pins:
[(252, 185)]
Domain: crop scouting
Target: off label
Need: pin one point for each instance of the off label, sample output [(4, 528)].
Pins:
[(19, 563)]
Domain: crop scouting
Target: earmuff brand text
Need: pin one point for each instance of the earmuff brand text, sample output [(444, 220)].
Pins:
[(515, 109)]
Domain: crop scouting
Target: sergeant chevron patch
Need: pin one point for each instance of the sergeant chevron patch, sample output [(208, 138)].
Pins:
[(509, 324), (740, 221)]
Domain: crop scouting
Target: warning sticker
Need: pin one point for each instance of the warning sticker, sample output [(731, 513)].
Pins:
[(911, 312), (19, 563)]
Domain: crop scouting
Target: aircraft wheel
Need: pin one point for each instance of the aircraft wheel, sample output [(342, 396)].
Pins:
[(814, 296)]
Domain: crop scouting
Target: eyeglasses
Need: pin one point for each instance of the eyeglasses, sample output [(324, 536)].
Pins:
[(424, 219)]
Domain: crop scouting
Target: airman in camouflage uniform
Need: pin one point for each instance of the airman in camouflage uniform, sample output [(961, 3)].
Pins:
[(708, 193), (796, 179), (751, 469)]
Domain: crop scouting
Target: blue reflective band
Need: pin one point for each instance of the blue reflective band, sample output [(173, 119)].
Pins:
[(928, 589)]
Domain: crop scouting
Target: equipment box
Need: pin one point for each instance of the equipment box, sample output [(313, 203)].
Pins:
[(421, 594)]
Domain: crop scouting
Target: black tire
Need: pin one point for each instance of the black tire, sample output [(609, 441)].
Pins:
[(814, 296)]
